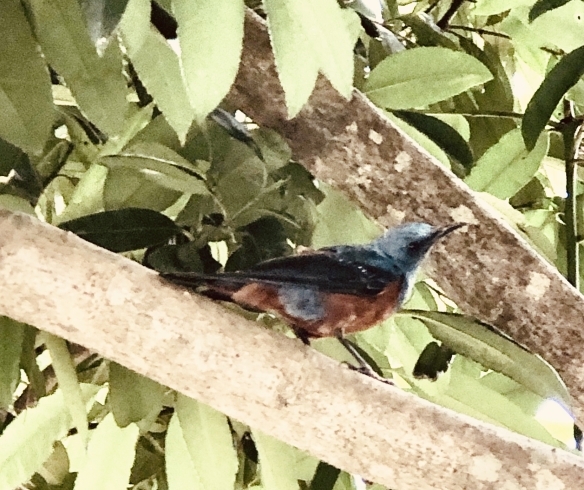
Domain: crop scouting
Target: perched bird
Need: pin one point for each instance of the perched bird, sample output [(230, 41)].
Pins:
[(331, 291)]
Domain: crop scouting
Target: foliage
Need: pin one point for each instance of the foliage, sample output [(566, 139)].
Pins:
[(112, 133)]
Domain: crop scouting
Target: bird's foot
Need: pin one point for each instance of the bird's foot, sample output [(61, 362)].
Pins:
[(368, 371)]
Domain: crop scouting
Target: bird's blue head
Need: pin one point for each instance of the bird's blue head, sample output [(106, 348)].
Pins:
[(405, 246)]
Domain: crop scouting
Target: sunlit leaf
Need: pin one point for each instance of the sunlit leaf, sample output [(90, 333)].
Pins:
[(209, 441), (28, 441), (542, 6), (421, 76), (210, 34), (507, 166), (110, 457), (274, 459)]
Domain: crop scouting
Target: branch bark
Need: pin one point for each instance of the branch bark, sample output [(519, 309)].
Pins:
[(128, 314), (491, 272)]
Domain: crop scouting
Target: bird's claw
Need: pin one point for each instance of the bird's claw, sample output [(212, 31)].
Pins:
[(368, 371)]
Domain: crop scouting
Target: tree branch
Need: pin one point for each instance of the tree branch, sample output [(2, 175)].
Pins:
[(127, 313), (490, 271)]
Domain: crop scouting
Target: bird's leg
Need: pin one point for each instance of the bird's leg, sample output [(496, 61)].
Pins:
[(364, 367)]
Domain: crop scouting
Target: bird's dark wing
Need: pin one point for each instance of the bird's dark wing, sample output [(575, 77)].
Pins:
[(323, 271)]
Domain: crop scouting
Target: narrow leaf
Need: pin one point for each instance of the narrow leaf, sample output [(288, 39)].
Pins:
[(542, 6), (133, 397), (11, 338), (491, 348), (507, 166), (101, 18), (25, 86), (97, 83), (28, 441), (421, 76), (208, 438), (210, 34), (274, 458), (180, 469), (124, 229), (110, 457), (558, 81), (444, 135), (68, 382), (158, 67)]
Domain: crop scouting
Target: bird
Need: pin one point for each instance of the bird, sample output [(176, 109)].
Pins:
[(332, 291)]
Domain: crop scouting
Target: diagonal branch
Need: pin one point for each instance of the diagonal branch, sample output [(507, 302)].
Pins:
[(490, 271), (127, 313)]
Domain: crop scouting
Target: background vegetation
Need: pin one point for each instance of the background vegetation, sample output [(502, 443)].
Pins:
[(111, 129)]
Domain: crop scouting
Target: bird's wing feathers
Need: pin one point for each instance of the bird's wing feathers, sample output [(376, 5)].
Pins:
[(327, 272)]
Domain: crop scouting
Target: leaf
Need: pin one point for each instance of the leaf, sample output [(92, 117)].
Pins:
[(128, 188), (274, 459), (558, 81), (124, 229), (210, 33), (433, 360), (235, 129), (319, 32), (422, 76), (133, 397), (11, 340), (97, 83), (161, 165), (28, 362), (507, 166), (180, 469), (68, 382), (25, 87), (209, 442), (88, 194), (110, 457), (28, 441), (491, 348), (158, 67), (325, 477), (542, 6), (101, 18), (444, 135)]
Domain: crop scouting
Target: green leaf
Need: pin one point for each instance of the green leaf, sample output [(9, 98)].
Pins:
[(133, 397), (180, 469), (209, 442), (11, 340), (422, 76), (88, 194), (28, 362), (492, 349), (558, 81), (507, 166), (25, 87), (162, 166), (28, 441), (210, 34), (110, 457), (158, 67), (275, 459), (235, 129), (318, 31), (325, 477), (97, 83), (124, 229), (542, 6), (68, 382), (101, 18), (444, 135), (128, 188)]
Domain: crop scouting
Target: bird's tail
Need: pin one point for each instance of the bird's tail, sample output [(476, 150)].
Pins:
[(216, 286)]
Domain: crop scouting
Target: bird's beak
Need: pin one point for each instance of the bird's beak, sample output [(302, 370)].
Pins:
[(445, 230)]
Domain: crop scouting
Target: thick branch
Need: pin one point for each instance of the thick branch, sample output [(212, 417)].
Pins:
[(59, 283), (490, 271)]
